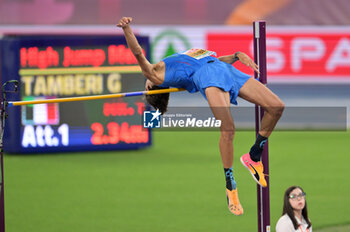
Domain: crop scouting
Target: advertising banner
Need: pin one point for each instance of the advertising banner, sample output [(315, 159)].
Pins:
[(293, 54)]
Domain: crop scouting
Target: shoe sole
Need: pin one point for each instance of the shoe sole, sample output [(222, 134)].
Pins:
[(251, 173), (228, 206)]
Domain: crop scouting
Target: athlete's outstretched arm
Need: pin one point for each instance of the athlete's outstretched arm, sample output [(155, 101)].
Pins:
[(242, 57), (133, 44), (229, 58)]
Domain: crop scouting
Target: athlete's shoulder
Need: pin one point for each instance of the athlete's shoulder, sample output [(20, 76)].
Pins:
[(174, 55)]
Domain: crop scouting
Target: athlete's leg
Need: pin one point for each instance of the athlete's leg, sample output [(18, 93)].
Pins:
[(255, 92), (219, 102)]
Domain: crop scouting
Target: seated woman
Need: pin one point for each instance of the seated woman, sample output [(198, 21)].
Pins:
[(294, 216)]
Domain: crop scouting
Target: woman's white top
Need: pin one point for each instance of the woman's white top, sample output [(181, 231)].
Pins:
[(285, 224)]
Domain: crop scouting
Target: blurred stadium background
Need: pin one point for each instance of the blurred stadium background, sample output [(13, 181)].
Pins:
[(177, 183)]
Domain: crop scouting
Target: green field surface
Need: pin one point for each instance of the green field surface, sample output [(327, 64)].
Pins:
[(177, 185)]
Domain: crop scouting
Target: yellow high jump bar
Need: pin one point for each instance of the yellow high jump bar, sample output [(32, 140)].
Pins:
[(86, 98)]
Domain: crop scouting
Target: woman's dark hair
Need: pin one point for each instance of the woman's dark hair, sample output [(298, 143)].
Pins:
[(287, 208), (158, 101)]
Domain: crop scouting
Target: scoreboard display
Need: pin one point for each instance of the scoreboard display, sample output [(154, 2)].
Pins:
[(70, 66)]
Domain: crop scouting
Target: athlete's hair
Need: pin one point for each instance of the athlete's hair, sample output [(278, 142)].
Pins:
[(287, 208), (158, 101)]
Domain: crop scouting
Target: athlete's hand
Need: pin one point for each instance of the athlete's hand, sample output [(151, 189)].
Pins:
[(149, 84), (246, 60), (123, 22)]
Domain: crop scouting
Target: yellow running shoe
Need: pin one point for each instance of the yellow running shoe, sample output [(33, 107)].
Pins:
[(233, 202), (255, 168)]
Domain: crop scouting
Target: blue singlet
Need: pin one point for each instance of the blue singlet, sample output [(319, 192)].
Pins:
[(198, 73)]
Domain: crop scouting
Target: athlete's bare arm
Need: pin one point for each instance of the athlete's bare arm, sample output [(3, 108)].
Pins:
[(243, 58), (153, 72), (227, 59)]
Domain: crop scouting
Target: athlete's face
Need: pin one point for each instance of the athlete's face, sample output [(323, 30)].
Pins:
[(297, 199)]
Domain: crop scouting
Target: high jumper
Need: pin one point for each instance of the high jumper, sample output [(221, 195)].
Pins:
[(220, 83)]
